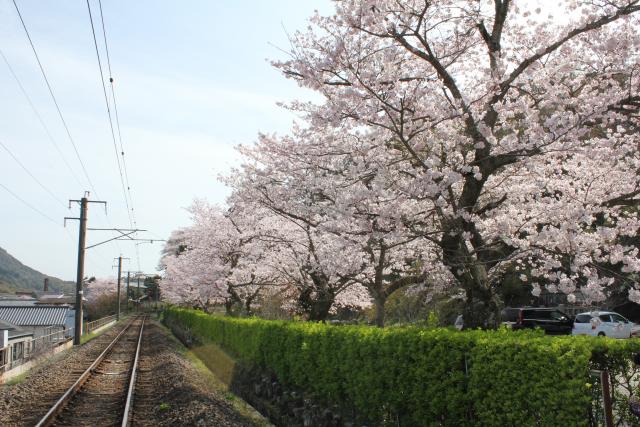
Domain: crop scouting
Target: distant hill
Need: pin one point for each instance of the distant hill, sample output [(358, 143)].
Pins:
[(15, 276)]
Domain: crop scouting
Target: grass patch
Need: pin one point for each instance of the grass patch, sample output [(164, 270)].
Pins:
[(218, 362), (216, 367), (86, 338), (17, 379)]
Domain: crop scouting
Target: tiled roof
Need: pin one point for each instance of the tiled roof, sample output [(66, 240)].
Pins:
[(34, 315)]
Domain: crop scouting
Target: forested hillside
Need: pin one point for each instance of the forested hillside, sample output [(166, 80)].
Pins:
[(16, 276)]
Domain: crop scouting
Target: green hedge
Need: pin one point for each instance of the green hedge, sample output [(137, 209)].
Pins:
[(424, 377)]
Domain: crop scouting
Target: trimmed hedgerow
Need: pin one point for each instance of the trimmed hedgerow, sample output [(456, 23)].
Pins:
[(417, 377)]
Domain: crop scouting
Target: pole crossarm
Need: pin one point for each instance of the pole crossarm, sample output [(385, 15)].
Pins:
[(114, 229), (102, 202)]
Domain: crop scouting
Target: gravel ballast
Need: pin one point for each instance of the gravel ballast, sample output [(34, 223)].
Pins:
[(170, 390)]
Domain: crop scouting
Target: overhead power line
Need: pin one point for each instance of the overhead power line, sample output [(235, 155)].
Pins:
[(55, 101), (29, 205), (40, 119), (31, 174), (64, 123)]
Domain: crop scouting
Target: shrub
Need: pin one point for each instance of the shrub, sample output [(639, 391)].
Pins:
[(414, 377)]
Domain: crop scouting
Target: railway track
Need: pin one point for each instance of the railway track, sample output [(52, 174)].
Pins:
[(103, 394)]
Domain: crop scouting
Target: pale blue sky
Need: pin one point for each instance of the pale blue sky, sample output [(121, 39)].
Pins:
[(192, 80)]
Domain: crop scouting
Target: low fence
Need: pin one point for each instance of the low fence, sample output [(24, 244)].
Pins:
[(97, 324), (21, 352)]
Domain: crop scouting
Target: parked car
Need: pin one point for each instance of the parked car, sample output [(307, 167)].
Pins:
[(602, 324), (552, 321)]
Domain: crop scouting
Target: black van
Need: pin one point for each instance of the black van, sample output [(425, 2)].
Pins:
[(551, 320)]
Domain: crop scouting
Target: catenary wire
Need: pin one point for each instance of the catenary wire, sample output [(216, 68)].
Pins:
[(115, 110), (106, 99), (117, 117)]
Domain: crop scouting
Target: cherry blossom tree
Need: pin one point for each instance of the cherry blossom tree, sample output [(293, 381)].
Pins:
[(101, 287), (221, 262), (340, 193), (316, 264), (515, 124)]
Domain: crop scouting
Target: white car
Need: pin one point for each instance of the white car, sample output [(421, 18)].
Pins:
[(602, 324)]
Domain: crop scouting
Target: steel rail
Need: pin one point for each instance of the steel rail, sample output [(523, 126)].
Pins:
[(132, 380), (49, 417)]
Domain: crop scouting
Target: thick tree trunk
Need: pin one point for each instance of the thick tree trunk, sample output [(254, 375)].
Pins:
[(317, 302), (482, 303), (320, 310), (377, 289), (228, 305), (379, 303)]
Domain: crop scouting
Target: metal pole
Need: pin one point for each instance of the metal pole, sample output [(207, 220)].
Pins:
[(80, 273), (138, 293), (119, 274), (128, 278), (606, 398)]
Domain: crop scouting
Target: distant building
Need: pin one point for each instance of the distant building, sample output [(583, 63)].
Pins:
[(57, 299)]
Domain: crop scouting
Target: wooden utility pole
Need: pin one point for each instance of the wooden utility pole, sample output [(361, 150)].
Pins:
[(84, 203), (84, 208)]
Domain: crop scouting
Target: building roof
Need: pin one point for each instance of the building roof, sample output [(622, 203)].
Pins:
[(37, 315), (56, 300), (16, 297), (21, 303), (14, 331), (6, 325)]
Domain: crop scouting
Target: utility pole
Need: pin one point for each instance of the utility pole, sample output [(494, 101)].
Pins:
[(119, 277), (138, 293), (119, 280), (84, 207), (128, 296)]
